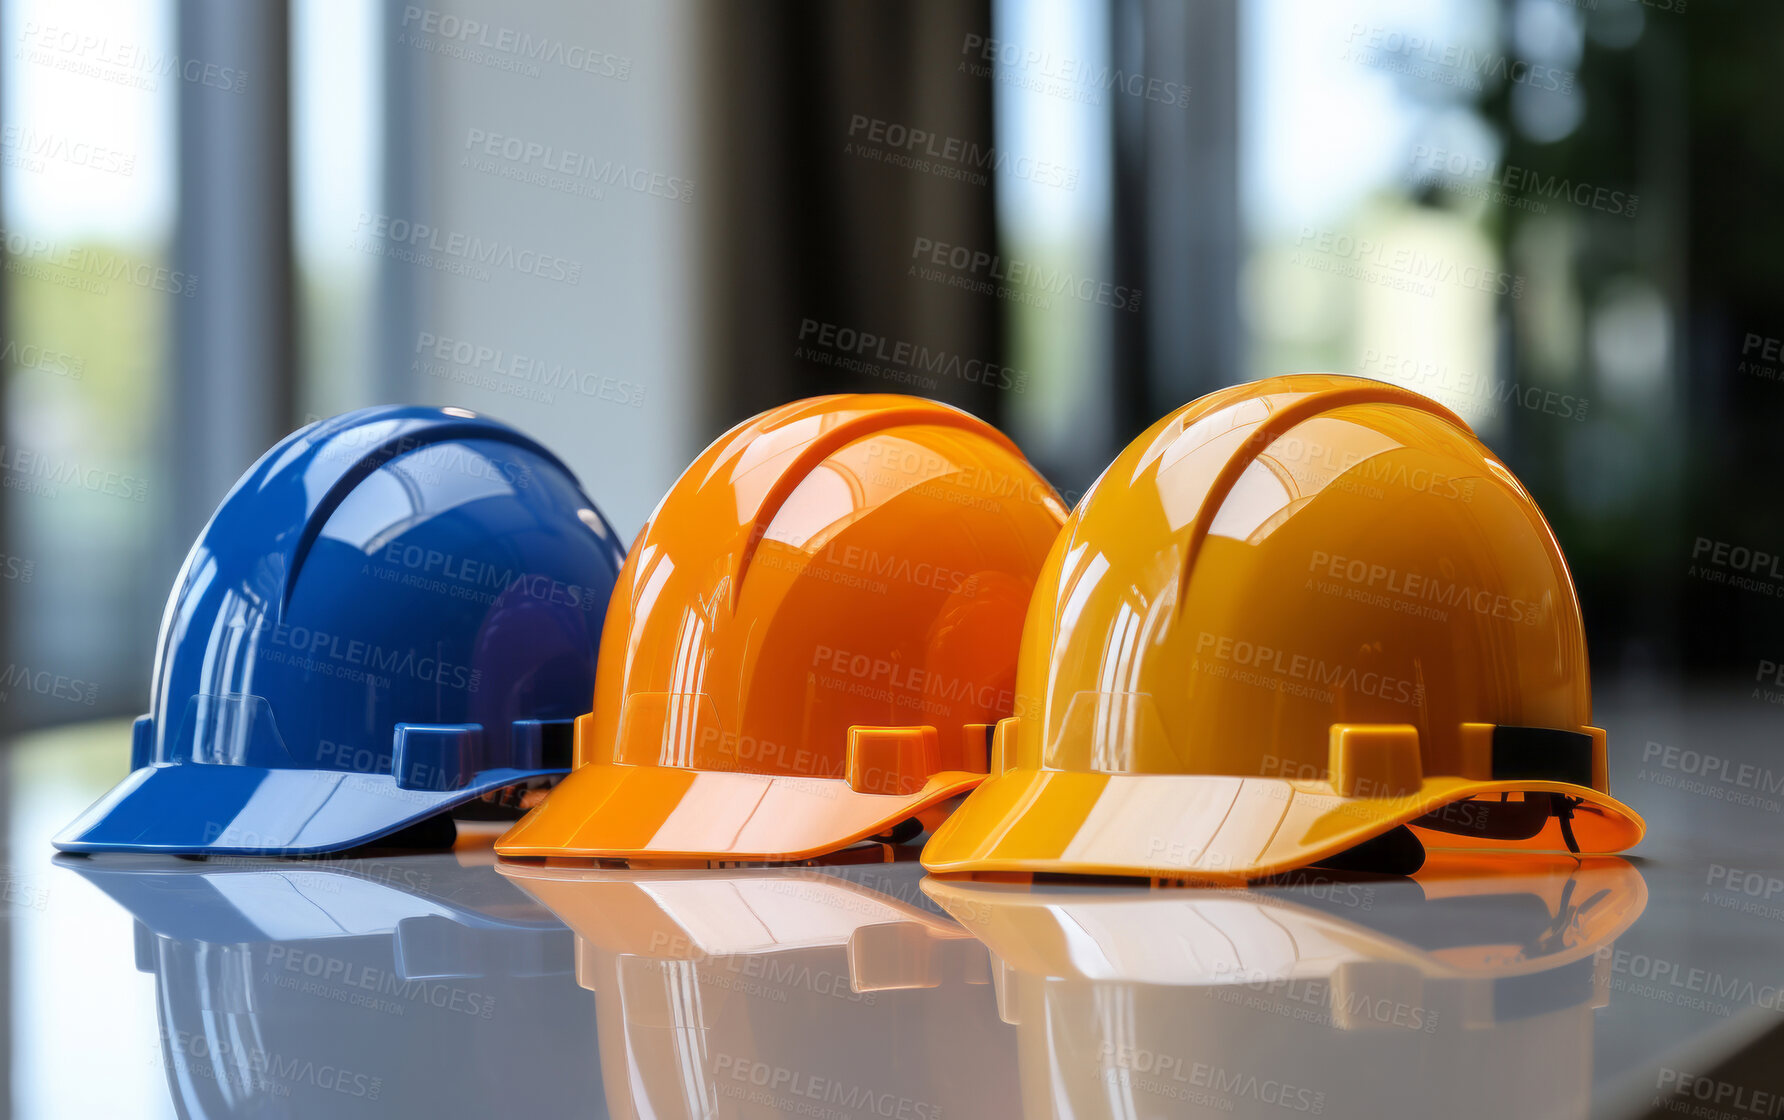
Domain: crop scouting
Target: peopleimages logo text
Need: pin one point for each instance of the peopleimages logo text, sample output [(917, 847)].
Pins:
[(1742, 1099), (1012, 57), (421, 237), (373, 658), (26, 464), (1018, 273), (517, 45), (576, 165), (1307, 670), (1424, 588), (1524, 181), (93, 270), (1737, 557), (82, 52), (443, 568)]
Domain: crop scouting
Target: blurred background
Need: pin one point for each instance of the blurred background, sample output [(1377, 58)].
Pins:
[(625, 227)]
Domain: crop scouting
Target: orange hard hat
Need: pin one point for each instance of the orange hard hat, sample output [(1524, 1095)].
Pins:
[(1292, 617), (811, 639)]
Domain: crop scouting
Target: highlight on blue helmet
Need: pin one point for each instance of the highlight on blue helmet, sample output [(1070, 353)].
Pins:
[(394, 613)]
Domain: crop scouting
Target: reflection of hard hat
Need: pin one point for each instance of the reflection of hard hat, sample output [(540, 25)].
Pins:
[(309, 989), (394, 612), (1189, 1003), (1477, 921), (1291, 617), (811, 638), (781, 991), (893, 936)]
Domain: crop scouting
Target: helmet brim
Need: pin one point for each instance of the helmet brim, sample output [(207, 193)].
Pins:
[(1221, 828), (614, 811), (208, 809)]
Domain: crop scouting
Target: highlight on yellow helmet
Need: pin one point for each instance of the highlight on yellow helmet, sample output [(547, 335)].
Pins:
[(815, 633), (1310, 619)]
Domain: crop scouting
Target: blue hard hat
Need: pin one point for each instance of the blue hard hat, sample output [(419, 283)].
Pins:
[(394, 612)]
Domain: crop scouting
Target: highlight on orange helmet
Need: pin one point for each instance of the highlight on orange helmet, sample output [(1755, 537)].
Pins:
[(814, 634), (1310, 619)]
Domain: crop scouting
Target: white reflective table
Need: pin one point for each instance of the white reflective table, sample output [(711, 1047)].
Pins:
[(453, 984)]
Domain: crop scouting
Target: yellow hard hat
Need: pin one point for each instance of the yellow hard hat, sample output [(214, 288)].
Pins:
[(1290, 618)]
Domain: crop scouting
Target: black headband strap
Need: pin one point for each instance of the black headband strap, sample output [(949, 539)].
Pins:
[(1544, 754)]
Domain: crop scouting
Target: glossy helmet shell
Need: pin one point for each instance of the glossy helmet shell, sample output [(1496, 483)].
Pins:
[(812, 637), (394, 611), (1290, 617)]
